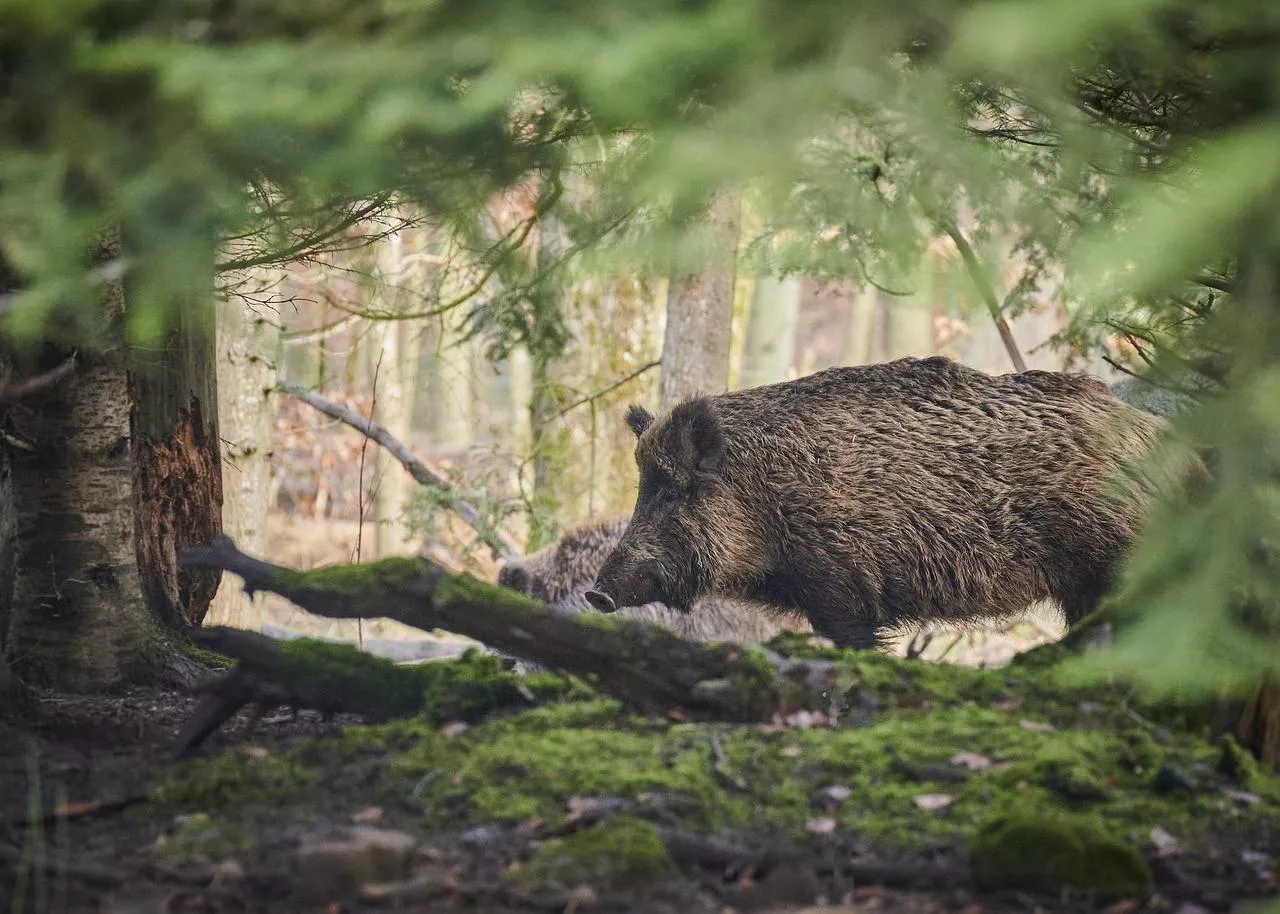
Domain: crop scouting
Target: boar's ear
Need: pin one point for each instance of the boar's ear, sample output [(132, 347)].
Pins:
[(695, 438), (638, 419)]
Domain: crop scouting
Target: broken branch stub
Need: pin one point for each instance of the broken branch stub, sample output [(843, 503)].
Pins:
[(646, 667)]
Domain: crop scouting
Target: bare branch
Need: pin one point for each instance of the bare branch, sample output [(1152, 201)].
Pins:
[(986, 290), (502, 547)]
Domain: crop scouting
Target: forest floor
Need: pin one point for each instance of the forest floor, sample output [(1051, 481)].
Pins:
[(930, 788)]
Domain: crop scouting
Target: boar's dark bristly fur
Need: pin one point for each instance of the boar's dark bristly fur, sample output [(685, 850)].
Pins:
[(875, 497), (561, 574)]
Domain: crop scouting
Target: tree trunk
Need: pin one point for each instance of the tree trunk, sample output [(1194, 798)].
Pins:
[(771, 330), (695, 345), (177, 462), (248, 356), (80, 616)]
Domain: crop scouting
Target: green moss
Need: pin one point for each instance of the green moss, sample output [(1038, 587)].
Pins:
[(211, 659), (1235, 763), (463, 588), (232, 781), (620, 853), (1049, 853), (201, 841), (337, 673), (354, 580)]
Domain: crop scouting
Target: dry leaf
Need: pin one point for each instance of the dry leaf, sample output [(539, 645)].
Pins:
[(1036, 726), (933, 802), (792, 751), (971, 760), (1240, 796), (836, 794), (823, 826), (1122, 907), (1010, 704), (453, 729), (367, 815)]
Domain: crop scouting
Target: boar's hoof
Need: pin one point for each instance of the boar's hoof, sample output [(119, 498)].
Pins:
[(601, 602)]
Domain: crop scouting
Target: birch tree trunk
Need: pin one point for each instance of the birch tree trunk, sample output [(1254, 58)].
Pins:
[(123, 475), (697, 339), (248, 359), (771, 330)]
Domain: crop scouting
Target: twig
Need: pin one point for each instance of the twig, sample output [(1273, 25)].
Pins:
[(986, 290), (502, 547), (591, 398), (10, 393)]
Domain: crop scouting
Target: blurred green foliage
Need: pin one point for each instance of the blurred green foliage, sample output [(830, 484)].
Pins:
[(1133, 140)]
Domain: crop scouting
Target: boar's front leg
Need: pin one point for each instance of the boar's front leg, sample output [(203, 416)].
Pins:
[(845, 626)]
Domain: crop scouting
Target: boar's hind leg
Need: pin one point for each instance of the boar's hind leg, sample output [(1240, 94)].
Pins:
[(1083, 595)]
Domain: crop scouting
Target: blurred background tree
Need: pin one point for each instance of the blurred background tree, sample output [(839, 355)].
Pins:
[(469, 217)]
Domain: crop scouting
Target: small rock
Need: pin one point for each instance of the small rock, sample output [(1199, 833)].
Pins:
[(338, 866), (1008, 704), (1090, 707), (1166, 844), (584, 896), (1188, 907), (227, 873), (1170, 778), (453, 729), (792, 752), (257, 753), (480, 836), (368, 815)]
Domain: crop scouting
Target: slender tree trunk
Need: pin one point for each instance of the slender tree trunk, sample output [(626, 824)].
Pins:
[(550, 436), (697, 339), (248, 356), (9, 697), (394, 410), (858, 338), (771, 330)]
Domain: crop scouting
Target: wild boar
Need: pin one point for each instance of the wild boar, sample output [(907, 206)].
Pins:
[(561, 574), (877, 497)]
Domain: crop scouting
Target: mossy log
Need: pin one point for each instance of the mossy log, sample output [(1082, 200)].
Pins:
[(648, 668)]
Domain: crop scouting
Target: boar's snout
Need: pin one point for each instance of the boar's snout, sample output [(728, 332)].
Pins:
[(625, 583)]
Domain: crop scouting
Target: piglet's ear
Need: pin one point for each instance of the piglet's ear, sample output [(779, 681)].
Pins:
[(695, 439), (638, 419)]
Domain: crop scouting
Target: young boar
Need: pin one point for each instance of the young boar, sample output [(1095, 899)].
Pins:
[(563, 572), (875, 497)]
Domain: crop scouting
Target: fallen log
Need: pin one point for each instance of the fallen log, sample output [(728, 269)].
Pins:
[(646, 667)]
